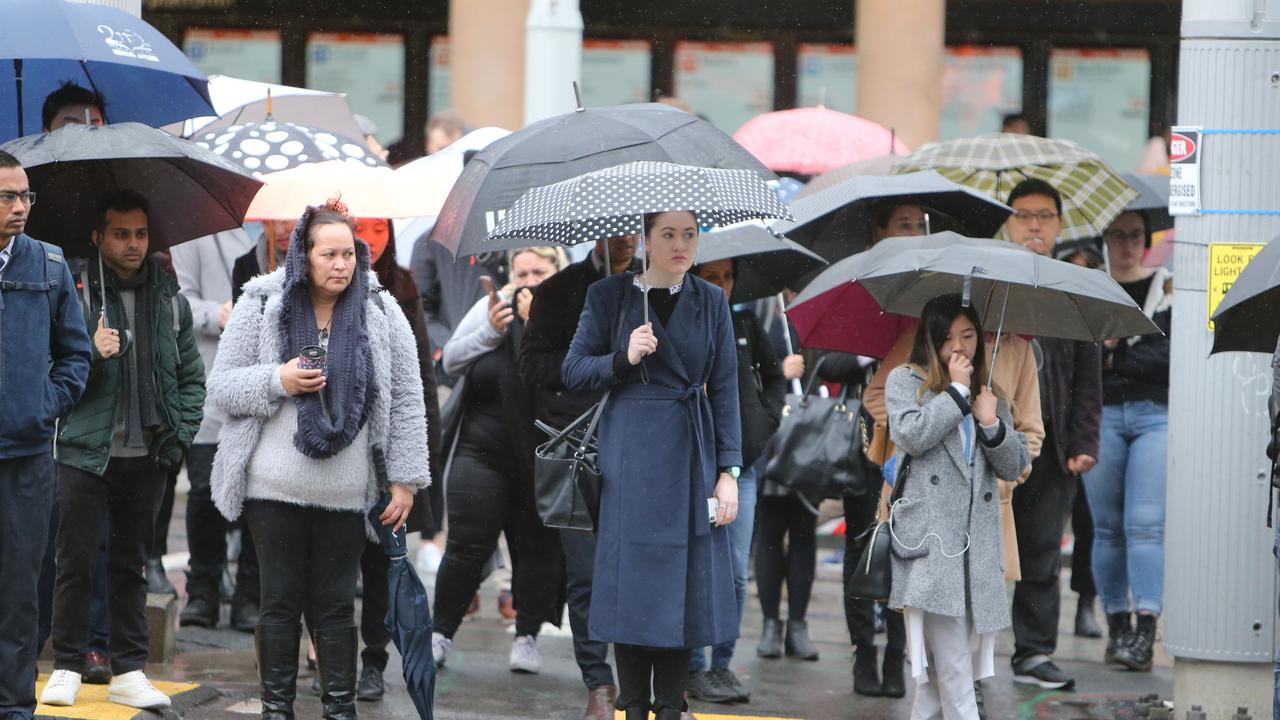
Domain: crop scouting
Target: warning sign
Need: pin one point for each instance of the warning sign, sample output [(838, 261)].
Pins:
[(1226, 262), (1184, 171)]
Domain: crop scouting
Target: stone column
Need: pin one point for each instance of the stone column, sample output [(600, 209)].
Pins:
[(486, 61), (900, 52)]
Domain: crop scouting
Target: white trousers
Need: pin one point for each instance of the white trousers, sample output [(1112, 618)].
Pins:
[(947, 693)]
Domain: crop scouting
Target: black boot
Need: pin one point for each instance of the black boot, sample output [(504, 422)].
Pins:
[(1119, 631), (1137, 653), (894, 684), (336, 656), (866, 679), (244, 613), (797, 642), (277, 650), (636, 712), (770, 639), (157, 581), (1086, 623), (666, 714), (200, 611)]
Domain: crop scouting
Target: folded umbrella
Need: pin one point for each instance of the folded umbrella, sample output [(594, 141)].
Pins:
[(237, 101), (271, 146), (765, 264), (812, 140), (837, 222), (566, 146), (191, 191), (368, 192), (141, 75), (1093, 193), (1248, 318), (1012, 289)]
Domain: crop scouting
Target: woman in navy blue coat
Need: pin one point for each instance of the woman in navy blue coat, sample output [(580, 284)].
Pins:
[(670, 440)]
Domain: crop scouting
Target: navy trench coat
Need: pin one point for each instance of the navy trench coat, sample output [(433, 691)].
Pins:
[(663, 574)]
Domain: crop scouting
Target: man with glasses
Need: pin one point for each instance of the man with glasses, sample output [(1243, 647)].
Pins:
[(1071, 404), (44, 364)]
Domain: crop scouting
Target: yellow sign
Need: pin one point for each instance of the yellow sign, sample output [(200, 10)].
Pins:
[(1226, 262)]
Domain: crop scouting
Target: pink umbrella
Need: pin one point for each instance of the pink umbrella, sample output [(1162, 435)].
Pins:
[(812, 140)]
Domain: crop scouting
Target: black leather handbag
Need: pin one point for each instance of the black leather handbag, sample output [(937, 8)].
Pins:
[(871, 579), (566, 476), (819, 445)]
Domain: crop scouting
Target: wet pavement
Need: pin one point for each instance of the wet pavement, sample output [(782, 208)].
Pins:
[(478, 684)]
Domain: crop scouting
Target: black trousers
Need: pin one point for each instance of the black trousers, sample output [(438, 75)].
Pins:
[(207, 536), (658, 672), (99, 615), (1082, 554), (579, 563), (860, 615), (487, 496), (126, 497), (795, 560), (160, 541), (1040, 509), (27, 489), (310, 559), (374, 564)]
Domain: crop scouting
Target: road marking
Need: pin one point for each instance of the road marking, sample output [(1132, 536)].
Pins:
[(92, 703), (618, 715)]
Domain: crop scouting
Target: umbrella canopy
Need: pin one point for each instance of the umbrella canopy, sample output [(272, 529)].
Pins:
[(811, 140), (191, 191), (880, 165), (272, 146), (1248, 319), (368, 192), (237, 101), (766, 264), (1093, 194), (566, 146), (1012, 289), (837, 222), (612, 202), (142, 76), (1152, 200)]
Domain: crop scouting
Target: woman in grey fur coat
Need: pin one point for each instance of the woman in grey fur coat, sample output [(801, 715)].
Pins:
[(296, 456), (954, 435)]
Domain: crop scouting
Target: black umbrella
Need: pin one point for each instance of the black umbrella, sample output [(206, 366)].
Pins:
[(836, 222), (408, 610), (1248, 318), (569, 145), (191, 191), (270, 146), (1152, 200), (766, 264)]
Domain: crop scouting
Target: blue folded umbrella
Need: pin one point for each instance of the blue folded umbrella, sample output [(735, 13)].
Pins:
[(143, 76)]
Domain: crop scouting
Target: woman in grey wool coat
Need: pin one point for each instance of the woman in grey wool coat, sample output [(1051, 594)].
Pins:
[(296, 455), (954, 435)]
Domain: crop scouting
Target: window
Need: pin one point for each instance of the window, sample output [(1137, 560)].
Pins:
[(828, 76), (615, 72), (979, 85), (245, 54), (369, 68), (1101, 99), (727, 82)]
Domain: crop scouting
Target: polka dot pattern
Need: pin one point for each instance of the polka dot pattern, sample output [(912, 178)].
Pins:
[(611, 202), (271, 146)]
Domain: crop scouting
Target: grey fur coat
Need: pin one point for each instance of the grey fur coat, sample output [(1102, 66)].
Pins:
[(945, 497), (246, 367)]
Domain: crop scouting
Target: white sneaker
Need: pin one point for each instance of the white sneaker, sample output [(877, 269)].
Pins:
[(441, 646), (525, 657), (428, 560), (135, 690), (61, 689)]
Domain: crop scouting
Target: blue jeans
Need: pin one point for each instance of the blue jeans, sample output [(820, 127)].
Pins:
[(1126, 492), (740, 531)]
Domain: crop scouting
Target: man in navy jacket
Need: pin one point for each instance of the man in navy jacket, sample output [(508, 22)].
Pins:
[(44, 364)]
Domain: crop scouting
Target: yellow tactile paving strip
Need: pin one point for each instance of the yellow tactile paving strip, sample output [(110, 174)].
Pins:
[(92, 703), (618, 715)]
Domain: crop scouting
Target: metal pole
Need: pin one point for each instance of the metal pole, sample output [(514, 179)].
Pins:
[(17, 79), (1220, 575), (552, 58), (796, 388)]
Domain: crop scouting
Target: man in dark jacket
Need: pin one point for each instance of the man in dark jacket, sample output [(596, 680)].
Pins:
[(553, 320), (139, 415), (44, 363), (1071, 400)]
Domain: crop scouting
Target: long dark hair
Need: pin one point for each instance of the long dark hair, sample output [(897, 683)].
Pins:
[(931, 335)]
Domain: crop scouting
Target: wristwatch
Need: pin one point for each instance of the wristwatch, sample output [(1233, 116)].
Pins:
[(733, 470)]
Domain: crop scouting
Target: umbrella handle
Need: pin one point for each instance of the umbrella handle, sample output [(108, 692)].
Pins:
[(991, 371), (644, 243), (796, 389)]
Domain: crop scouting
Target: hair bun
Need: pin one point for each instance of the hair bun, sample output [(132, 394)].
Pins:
[(335, 204)]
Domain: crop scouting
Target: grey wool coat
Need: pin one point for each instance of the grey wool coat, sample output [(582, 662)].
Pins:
[(946, 497), (246, 367)]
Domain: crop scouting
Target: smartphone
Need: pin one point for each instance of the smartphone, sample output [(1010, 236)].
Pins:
[(713, 507), (486, 282)]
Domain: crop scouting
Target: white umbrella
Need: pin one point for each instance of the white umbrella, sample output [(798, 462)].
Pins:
[(239, 101)]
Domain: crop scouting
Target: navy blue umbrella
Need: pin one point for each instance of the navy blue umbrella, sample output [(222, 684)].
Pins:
[(408, 612), (44, 43)]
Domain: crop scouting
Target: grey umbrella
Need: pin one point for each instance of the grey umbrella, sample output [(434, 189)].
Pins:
[(1152, 200), (1248, 318), (836, 222), (766, 264), (569, 145)]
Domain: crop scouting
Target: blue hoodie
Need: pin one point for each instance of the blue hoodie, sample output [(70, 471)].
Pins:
[(44, 347)]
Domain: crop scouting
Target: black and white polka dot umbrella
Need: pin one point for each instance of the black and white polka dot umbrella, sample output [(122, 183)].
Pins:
[(271, 146), (613, 201)]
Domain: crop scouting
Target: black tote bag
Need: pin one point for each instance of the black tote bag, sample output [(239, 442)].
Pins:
[(871, 578)]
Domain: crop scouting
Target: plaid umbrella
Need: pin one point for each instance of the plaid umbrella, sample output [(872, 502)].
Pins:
[(1093, 193), (612, 202), (812, 140), (271, 146)]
